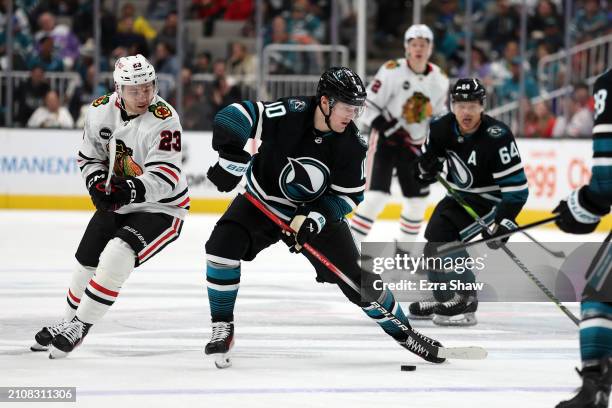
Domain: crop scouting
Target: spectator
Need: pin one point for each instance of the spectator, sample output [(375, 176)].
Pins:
[(547, 24), (481, 67), (589, 22), (448, 37), (65, 42), (209, 11), (503, 25), (160, 9), (29, 95), (202, 63), (85, 93), (127, 38), (390, 16), (46, 56), (197, 110), (282, 62), (241, 63), (86, 60), (223, 95), (550, 75), (139, 25), (52, 114), (580, 114), (22, 40), (238, 10), (165, 60), (546, 120), (303, 26), (502, 69), (168, 35), (508, 91)]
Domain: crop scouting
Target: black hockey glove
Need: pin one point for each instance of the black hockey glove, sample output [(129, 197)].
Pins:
[(428, 167), (126, 190), (306, 227), (95, 186), (579, 213), (391, 131), (501, 228), (228, 171)]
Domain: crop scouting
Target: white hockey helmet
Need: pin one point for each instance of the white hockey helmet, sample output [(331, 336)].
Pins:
[(133, 70), (419, 31)]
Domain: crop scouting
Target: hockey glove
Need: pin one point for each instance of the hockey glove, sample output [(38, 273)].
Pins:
[(95, 186), (501, 228), (228, 171), (126, 190), (392, 132), (579, 213), (306, 227), (429, 167)]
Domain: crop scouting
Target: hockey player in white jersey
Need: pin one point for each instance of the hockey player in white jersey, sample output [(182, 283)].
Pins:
[(130, 159), (403, 97)]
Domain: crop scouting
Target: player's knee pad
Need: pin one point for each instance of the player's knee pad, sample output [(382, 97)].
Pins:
[(228, 240), (116, 263), (413, 208), (373, 203)]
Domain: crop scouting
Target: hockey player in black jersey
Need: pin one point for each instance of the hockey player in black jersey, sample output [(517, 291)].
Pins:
[(484, 167), (309, 171), (580, 213)]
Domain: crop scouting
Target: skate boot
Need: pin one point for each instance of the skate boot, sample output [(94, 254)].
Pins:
[(44, 337), (413, 345), (459, 311), (69, 338), (423, 309), (595, 390), (221, 343)]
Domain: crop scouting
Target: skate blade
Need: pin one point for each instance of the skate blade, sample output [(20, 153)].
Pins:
[(56, 353), (416, 317), (223, 361), (38, 347), (465, 319)]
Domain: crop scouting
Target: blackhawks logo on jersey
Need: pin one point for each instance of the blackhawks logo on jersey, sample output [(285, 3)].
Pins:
[(303, 179), (124, 163), (417, 108), (103, 100), (391, 64), (160, 110)]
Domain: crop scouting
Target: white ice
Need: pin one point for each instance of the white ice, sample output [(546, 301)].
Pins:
[(298, 343)]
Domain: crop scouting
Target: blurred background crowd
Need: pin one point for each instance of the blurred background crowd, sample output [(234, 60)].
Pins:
[(53, 73)]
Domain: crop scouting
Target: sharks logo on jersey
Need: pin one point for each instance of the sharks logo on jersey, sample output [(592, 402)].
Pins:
[(461, 173), (303, 179)]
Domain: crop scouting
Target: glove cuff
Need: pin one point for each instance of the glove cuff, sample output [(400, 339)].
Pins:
[(137, 189), (591, 202), (577, 207), (508, 224), (234, 168), (94, 178), (318, 218)]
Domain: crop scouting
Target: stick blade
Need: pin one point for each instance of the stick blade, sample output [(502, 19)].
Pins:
[(463, 353)]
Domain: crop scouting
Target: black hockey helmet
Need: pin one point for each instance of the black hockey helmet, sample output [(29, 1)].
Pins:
[(342, 84), (468, 89)]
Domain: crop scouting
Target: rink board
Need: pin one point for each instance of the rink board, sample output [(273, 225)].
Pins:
[(38, 170)]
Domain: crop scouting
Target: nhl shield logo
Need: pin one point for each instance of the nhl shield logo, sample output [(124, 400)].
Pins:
[(297, 105), (303, 179)]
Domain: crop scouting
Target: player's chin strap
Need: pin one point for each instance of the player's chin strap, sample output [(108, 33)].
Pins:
[(511, 254), (331, 106), (465, 353)]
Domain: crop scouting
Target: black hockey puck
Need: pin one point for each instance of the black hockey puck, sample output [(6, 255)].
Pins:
[(408, 368)]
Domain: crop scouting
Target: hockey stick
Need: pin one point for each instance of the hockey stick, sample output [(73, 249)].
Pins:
[(464, 353), (112, 150), (452, 246), (512, 256)]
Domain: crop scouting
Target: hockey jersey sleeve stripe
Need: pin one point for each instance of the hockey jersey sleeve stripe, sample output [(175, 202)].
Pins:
[(602, 128), (85, 157), (184, 202), (160, 163), (170, 172), (260, 109), (510, 189), (513, 179), (602, 161), (235, 122), (242, 110), (508, 171), (176, 197), (348, 189), (602, 145), (163, 177)]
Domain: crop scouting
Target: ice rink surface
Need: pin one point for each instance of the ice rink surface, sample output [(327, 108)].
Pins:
[(298, 343)]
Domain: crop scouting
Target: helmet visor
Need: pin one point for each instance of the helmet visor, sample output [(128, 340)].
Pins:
[(348, 110)]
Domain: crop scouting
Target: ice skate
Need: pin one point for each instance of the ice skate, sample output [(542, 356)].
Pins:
[(221, 343), (44, 337), (595, 390), (459, 311), (68, 339), (423, 309)]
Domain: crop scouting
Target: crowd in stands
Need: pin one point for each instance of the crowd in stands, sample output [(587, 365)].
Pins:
[(57, 36)]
